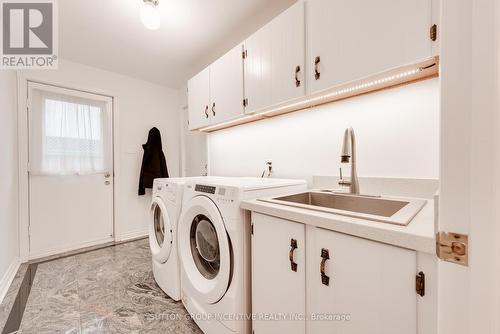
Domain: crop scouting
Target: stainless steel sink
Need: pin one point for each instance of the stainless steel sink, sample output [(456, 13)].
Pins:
[(381, 209)]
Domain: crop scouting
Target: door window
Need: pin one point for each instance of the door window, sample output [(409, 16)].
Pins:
[(205, 247), (159, 226), (69, 135)]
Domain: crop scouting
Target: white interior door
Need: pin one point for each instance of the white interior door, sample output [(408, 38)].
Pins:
[(70, 169), (194, 150)]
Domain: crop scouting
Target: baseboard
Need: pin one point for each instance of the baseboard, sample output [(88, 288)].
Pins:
[(8, 277), (63, 250), (129, 236)]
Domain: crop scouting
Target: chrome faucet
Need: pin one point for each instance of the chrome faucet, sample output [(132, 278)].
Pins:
[(349, 154)]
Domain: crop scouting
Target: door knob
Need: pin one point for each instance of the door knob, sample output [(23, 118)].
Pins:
[(107, 183), (107, 175)]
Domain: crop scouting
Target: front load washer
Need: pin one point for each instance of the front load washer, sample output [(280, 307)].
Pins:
[(165, 210), (214, 250)]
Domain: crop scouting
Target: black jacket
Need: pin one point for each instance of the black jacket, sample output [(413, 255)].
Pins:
[(154, 164)]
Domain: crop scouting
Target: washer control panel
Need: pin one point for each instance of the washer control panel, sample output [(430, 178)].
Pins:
[(204, 189)]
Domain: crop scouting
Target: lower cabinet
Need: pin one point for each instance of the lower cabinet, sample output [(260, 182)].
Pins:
[(278, 276), (342, 284), (359, 286)]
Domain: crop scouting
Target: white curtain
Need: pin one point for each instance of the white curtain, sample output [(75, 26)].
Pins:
[(69, 135)]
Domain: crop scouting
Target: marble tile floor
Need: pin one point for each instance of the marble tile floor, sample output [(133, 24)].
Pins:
[(111, 290)]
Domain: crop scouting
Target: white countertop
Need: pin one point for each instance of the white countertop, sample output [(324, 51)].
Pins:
[(417, 235)]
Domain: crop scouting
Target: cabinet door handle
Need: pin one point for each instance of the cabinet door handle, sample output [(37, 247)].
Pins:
[(297, 81), (293, 245), (213, 109), (206, 111), (317, 74), (325, 255)]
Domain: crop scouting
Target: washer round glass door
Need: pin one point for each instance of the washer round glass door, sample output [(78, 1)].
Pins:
[(160, 231), (204, 250)]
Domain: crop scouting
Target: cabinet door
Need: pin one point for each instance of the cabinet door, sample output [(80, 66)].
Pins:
[(226, 86), (258, 48), (288, 54), (199, 99), (357, 38), (372, 283), (276, 288)]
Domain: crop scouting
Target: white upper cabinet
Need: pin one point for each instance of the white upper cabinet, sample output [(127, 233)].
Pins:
[(288, 55), (216, 93), (371, 282), (226, 86), (274, 64), (348, 40), (258, 62), (199, 100)]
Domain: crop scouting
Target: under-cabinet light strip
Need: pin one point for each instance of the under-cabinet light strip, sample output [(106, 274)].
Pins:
[(392, 78), (237, 121)]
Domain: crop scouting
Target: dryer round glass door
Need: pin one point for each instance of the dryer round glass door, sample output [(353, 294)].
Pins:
[(204, 249), (160, 231)]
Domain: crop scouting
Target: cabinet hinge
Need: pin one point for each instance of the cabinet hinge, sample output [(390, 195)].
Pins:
[(433, 32), (244, 54), (420, 284), (245, 102), (251, 229), (453, 247)]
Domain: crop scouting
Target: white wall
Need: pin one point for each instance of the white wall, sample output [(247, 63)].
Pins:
[(397, 134), (141, 105), (9, 240), (496, 258)]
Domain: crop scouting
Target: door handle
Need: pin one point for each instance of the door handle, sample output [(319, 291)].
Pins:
[(213, 109), (206, 111), (107, 183), (107, 175), (317, 73), (293, 245), (297, 81), (325, 255)]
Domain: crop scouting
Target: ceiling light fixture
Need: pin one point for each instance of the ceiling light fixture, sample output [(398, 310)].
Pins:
[(150, 15)]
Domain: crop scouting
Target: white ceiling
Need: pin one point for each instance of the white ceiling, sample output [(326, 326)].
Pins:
[(108, 34)]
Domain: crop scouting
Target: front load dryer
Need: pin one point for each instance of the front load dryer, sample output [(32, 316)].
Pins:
[(214, 250)]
